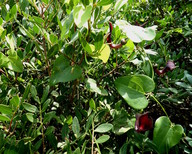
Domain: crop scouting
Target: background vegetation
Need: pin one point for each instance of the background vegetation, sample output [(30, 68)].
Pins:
[(69, 85)]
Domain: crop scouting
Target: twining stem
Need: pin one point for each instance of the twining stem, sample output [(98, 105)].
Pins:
[(159, 105)]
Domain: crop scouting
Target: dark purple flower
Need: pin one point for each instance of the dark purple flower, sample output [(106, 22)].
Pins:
[(143, 122), (169, 67)]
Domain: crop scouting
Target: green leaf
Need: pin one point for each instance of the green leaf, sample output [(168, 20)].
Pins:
[(34, 93), (46, 104), (81, 15), (89, 122), (104, 2), (92, 86), (48, 116), (15, 101), (133, 89), (119, 4), (15, 62), (45, 94), (52, 140), (63, 72), (77, 151), (68, 22), (3, 60), (123, 149), (98, 41), (11, 41), (5, 109), (121, 122), (92, 104), (65, 131), (30, 117), (29, 107), (103, 128), (4, 118), (104, 53), (166, 135), (76, 126), (103, 138), (86, 46), (53, 51), (50, 130), (136, 33)]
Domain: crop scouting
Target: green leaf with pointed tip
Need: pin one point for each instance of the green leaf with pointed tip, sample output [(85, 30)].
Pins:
[(103, 128), (4, 118), (63, 72), (3, 60), (119, 4), (30, 117), (15, 62), (166, 135), (133, 89), (76, 126), (5, 109), (136, 33), (103, 138), (82, 15), (29, 107), (86, 46), (68, 22), (104, 2)]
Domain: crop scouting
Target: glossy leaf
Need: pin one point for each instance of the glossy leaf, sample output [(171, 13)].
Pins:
[(133, 89), (68, 22), (63, 72), (92, 86), (166, 135), (103, 139), (98, 41), (103, 128), (15, 62), (136, 33), (104, 2), (81, 15), (4, 118), (5, 109), (30, 117), (76, 126), (3, 60), (15, 101), (104, 53), (119, 4), (29, 107)]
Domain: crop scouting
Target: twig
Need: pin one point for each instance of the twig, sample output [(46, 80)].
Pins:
[(112, 70)]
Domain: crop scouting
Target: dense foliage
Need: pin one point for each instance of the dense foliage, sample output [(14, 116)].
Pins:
[(95, 76)]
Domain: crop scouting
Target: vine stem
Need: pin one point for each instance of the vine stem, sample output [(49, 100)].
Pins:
[(159, 105)]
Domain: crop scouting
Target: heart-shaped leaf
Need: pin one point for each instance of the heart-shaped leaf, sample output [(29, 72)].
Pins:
[(136, 33), (166, 135), (133, 89), (104, 53), (81, 15)]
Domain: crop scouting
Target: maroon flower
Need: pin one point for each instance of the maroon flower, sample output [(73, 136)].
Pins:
[(169, 67), (143, 122), (109, 40)]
